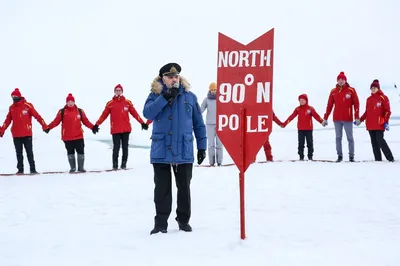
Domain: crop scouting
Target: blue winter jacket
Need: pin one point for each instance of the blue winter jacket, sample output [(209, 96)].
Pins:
[(173, 124)]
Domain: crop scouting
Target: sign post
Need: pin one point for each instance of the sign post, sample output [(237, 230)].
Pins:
[(244, 102)]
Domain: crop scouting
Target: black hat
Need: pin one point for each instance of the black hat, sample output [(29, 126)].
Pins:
[(170, 69)]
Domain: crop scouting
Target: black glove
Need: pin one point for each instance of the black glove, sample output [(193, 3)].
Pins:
[(170, 94), (95, 129), (201, 155), (47, 130), (145, 126)]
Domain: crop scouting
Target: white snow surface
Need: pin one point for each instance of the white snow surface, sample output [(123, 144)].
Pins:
[(297, 213)]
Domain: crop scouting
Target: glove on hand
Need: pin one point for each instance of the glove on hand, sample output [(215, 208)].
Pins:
[(145, 126), (170, 94), (95, 129), (386, 125), (357, 122), (201, 155)]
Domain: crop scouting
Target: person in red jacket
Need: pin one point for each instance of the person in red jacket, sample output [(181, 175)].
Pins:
[(305, 113), (267, 144), (71, 118), (344, 98), (376, 115), (119, 109), (20, 114)]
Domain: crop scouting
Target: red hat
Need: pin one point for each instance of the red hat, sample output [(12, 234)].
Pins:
[(70, 98), (304, 97), (342, 76), (16, 93), (375, 84), (119, 86)]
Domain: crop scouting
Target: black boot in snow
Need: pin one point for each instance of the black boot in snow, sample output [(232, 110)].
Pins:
[(184, 226), (20, 172), (81, 161), (72, 162), (339, 159), (123, 165), (33, 171), (115, 164), (158, 230), (351, 159)]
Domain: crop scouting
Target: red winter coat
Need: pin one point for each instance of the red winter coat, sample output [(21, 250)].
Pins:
[(377, 111), (267, 144), (119, 108), (305, 114), (20, 114), (71, 127), (343, 98)]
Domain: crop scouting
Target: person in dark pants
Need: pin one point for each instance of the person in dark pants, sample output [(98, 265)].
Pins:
[(175, 113), (119, 109), (376, 115), (305, 113), (72, 118), (20, 115), (120, 140)]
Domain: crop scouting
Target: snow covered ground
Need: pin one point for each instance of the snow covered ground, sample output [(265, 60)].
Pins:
[(302, 213)]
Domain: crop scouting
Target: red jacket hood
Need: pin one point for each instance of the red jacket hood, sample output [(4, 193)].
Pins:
[(22, 101), (305, 97), (346, 85), (379, 92), (119, 98)]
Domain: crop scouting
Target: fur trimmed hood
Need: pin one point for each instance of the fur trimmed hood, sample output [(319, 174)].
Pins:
[(156, 86)]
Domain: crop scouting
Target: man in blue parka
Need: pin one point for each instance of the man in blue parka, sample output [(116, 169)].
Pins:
[(176, 114)]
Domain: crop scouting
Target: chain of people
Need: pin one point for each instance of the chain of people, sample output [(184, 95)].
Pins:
[(175, 114), (343, 101)]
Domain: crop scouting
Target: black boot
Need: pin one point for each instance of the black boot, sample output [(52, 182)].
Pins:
[(72, 162), (20, 171), (351, 159), (310, 157), (123, 165), (81, 161), (33, 171), (115, 163), (157, 230), (301, 158), (339, 159), (184, 227)]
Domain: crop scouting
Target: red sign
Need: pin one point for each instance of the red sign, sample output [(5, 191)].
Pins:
[(244, 96)]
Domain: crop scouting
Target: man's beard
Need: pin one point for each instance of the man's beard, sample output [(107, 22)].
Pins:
[(174, 85)]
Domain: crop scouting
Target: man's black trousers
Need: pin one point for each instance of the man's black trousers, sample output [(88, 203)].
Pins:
[(303, 136), (19, 144), (120, 139), (378, 143), (163, 193), (77, 145)]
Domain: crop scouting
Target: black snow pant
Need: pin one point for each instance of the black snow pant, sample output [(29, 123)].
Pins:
[(163, 193), (19, 144), (303, 136), (378, 143), (77, 145), (118, 140)]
